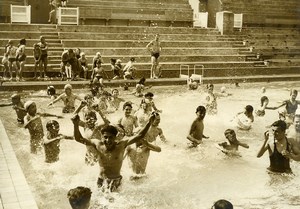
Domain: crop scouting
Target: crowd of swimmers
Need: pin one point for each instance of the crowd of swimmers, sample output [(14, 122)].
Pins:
[(135, 133)]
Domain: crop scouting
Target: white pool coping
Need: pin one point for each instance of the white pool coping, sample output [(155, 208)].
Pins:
[(14, 190)]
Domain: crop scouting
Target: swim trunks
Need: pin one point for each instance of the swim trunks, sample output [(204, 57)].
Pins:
[(111, 184)]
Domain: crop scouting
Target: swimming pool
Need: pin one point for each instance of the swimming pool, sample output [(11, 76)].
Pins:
[(177, 177)]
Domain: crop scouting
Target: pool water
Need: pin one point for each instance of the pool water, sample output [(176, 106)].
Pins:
[(177, 177)]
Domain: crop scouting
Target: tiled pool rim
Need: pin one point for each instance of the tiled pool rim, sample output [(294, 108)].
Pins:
[(14, 190)]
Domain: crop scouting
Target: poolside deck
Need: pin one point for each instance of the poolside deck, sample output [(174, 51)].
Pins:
[(14, 190), (38, 85)]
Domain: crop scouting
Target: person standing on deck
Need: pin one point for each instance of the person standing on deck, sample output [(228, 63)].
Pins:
[(155, 49)]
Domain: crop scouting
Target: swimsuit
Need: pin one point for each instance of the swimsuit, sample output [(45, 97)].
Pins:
[(155, 54), (278, 163), (111, 184)]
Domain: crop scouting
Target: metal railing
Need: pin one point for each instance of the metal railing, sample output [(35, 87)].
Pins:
[(191, 73)]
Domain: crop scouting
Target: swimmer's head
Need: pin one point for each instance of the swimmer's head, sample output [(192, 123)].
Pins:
[(115, 92), (51, 90), (127, 107), (263, 100), (142, 80), (222, 204), (79, 197), (15, 98), (230, 135), (294, 94), (201, 111), (263, 90), (68, 89), (279, 124), (149, 95), (90, 118), (30, 107), (223, 89), (52, 125), (249, 109)]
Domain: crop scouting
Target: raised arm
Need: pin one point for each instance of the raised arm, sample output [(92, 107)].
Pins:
[(150, 146), (243, 145), (77, 135), (265, 145), (141, 134), (56, 100)]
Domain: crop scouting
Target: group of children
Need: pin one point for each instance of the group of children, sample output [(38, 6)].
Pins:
[(135, 132)]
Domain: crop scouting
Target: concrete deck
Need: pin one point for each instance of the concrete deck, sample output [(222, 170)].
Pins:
[(14, 190), (38, 85)]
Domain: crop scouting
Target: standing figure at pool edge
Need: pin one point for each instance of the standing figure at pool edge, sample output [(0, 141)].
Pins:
[(155, 48)]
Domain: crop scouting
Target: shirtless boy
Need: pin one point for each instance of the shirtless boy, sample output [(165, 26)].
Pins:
[(233, 142), (138, 156), (197, 128), (110, 152)]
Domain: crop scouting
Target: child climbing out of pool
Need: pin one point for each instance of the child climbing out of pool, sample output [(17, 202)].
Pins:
[(196, 131), (52, 141), (33, 122), (138, 154), (92, 130), (68, 97), (192, 84), (111, 151), (233, 142), (18, 106), (245, 119)]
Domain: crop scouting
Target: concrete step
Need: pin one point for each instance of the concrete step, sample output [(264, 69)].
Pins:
[(141, 43), (137, 29)]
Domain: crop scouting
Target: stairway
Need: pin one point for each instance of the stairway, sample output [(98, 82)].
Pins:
[(55, 46)]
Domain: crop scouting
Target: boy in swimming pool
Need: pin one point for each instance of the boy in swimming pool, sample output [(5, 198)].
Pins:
[(79, 197), (18, 106), (111, 151), (52, 141), (68, 97), (245, 119), (197, 128), (233, 142), (139, 153)]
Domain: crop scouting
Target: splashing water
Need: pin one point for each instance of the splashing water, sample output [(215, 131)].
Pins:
[(177, 177)]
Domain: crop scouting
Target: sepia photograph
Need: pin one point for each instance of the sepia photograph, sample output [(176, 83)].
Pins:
[(157, 104)]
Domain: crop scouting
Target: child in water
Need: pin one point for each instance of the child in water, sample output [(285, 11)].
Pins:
[(197, 128), (245, 119), (68, 98), (233, 142), (18, 106), (52, 141)]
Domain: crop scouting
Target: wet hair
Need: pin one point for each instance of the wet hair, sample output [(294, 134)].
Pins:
[(79, 197), (294, 91), (90, 113), (149, 94), (223, 204), (68, 86), (51, 124), (109, 129), (15, 96), (249, 108), (142, 80), (200, 109), (88, 96), (127, 104), (229, 131), (42, 37), (51, 90), (280, 124), (94, 90), (209, 85), (113, 60), (23, 41), (263, 99), (112, 91)]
